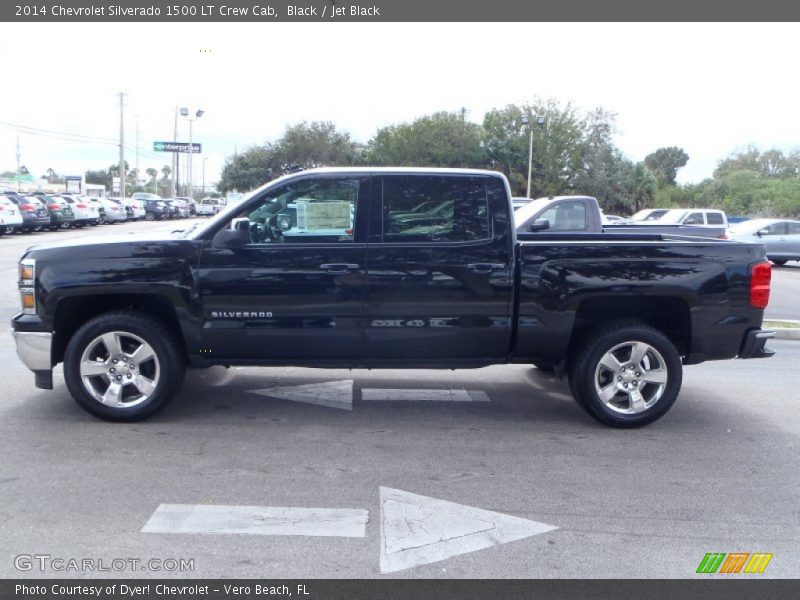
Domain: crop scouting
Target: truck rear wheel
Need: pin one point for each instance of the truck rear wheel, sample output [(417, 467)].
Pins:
[(123, 366), (626, 375)]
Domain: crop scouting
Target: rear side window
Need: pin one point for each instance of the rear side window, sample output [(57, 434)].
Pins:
[(715, 218), (426, 208)]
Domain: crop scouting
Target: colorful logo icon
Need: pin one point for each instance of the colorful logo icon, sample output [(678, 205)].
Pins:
[(734, 562)]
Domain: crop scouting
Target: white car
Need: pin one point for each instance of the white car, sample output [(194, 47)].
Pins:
[(85, 212), (133, 207), (10, 217), (209, 206), (115, 210), (695, 216)]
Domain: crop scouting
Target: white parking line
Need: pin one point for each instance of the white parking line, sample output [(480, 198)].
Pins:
[(421, 395), (258, 520)]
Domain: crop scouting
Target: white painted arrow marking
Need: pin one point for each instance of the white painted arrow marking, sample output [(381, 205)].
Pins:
[(452, 395), (333, 394), (417, 530), (258, 520)]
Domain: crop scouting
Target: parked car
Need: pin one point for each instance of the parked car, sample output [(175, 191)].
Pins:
[(581, 214), (649, 214), (154, 210), (171, 210), (10, 216), (34, 212), (190, 204), (349, 286), (101, 209), (780, 236), (135, 209), (114, 210), (61, 215), (519, 202), (612, 219), (710, 217), (182, 207), (209, 206), (85, 212)]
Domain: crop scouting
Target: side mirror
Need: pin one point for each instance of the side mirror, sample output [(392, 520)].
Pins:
[(236, 236), (539, 225), (761, 232)]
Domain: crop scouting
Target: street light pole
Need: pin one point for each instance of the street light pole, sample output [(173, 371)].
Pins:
[(530, 163), (185, 113), (121, 147)]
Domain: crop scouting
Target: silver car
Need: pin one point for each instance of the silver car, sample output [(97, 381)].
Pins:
[(781, 236)]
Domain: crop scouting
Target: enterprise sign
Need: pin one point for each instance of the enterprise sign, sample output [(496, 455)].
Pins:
[(176, 147)]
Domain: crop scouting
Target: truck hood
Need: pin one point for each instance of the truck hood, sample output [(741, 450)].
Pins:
[(124, 246)]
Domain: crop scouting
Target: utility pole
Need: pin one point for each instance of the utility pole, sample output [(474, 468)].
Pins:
[(19, 175), (175, 163), (137, 147), (121, 146)]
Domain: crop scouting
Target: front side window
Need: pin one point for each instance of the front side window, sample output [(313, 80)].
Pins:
[(426, 208), (694, 219), (566, 216), (774, 229), (306, 211), (793, 228)]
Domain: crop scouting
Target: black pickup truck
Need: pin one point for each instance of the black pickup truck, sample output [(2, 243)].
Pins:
[(388, 268)]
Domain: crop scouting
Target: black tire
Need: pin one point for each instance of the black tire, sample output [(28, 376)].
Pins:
[(149, 216), (778, 262), (585, 369), (169, 362), (545, 367)]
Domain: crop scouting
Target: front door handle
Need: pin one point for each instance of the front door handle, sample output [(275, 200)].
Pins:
[(338, 267), (485, 267)]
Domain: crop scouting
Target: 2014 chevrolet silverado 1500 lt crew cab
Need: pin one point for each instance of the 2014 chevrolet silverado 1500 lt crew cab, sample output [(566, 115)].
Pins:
[(387, 268)]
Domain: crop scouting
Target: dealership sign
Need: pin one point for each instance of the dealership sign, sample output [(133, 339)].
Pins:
[(176, 147)]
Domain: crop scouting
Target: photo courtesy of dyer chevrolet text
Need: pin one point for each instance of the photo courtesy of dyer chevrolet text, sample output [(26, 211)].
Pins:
[(148, 590)]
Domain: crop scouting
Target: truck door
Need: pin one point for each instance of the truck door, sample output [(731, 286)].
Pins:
[(440, 269), (297, 290)]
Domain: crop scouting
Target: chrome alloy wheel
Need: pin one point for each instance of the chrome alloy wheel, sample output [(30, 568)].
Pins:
[(119, 369), (631, 377)]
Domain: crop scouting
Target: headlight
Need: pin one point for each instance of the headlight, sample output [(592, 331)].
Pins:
[(27, 272), (27, 279)]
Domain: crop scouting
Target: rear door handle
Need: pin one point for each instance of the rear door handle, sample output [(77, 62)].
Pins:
[(485, 267), (338, 267)]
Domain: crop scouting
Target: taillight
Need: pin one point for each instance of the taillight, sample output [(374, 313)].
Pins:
[(28, 207), (760, 276), (722, 237), (53, 207), (80, 206)]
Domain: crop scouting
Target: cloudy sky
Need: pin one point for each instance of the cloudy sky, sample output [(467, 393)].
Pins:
[(710, 88)]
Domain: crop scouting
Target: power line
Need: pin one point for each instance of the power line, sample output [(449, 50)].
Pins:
[(42, 131)]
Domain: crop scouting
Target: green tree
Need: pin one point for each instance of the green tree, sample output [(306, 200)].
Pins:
[(664, 163), (443, 139)]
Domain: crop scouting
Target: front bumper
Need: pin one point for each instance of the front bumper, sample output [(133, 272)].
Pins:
[(33, 349), (753, 345)]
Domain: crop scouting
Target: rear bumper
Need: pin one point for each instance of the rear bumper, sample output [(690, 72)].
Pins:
[(754, 344)]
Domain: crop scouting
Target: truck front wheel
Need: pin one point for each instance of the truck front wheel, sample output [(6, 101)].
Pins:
[(626, 375), (123, 366)]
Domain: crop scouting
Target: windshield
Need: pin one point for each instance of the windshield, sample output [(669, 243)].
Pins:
[(673, 216)]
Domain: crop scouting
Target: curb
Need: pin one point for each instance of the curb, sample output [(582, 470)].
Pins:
[(786, 333)]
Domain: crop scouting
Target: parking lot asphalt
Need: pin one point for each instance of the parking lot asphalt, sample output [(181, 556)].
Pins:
[(409, 473)]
